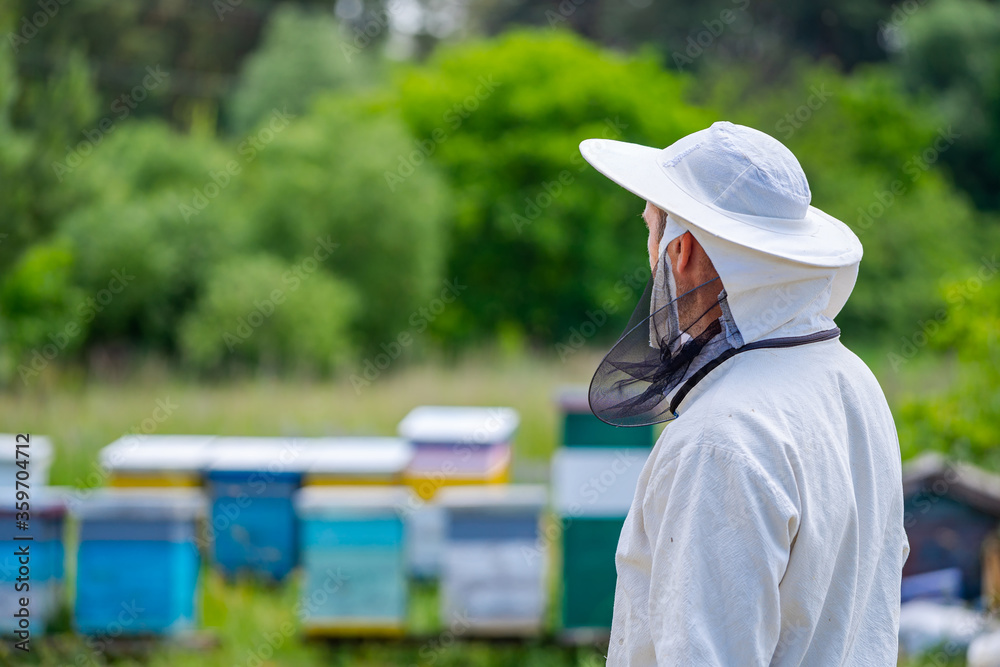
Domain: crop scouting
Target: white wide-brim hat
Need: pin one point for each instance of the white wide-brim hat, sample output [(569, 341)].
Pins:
[(738, 184)]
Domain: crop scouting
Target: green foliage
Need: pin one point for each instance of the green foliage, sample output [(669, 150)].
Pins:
[(53, 113), (540, 237), (262, 312), (962, 422), (300, 55), (951, 50), (40, 305), (871, 160), (322, 180), (135, 232)]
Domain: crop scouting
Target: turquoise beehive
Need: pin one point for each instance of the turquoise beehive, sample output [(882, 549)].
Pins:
[(352, 545)]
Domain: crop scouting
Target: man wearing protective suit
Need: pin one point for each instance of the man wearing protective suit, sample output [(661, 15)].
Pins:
[(767, 525)]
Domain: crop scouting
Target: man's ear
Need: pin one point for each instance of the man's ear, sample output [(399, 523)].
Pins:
[(685, 250)]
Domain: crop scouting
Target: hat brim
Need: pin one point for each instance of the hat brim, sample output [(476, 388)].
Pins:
[(818, 239)]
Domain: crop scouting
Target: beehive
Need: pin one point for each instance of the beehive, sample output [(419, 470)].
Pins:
[(580, 428), (354, 570), (42, 581), (351, 461), (436, 467), (138, 562), (157, 460), (592, 490), (36, 451), (493, 578), (251, 482)]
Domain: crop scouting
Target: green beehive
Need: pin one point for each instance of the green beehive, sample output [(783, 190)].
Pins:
[(588, 571), (582, 429)]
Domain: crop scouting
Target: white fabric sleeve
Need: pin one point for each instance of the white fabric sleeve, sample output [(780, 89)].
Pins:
[(720, 535)]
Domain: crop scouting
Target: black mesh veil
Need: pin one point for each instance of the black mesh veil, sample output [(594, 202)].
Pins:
[(667, 340)]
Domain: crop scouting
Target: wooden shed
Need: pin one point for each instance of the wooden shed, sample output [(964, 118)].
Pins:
[(949, 509)]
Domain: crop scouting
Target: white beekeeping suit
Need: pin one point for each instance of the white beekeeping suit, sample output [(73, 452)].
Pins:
[(767, 524)]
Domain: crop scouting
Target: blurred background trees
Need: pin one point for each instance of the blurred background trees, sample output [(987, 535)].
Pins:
[(375, 154)]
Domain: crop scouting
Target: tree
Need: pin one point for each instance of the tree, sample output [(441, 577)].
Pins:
[(540, 238)]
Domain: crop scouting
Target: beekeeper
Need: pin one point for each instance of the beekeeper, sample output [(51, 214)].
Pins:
[(767, 524)]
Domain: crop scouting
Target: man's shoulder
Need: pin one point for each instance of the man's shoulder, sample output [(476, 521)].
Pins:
[(774, 397)]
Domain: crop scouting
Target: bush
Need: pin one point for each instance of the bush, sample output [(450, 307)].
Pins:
[(300, 55), (962, 421), (258, 310), (40, 307), (138, 230), (540, 238), (322, 179)]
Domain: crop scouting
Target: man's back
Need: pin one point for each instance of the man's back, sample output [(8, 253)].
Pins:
[(767, 526)]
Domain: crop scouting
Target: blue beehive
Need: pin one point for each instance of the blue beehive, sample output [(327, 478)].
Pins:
[(494, 571), (138, 562), (353, 559), (250, 483), (41, 582)]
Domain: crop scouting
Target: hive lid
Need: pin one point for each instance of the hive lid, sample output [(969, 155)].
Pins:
[(143, 504), (158, 453), (273, 455), (325, 498), (358, 457), (459, 425), (494, 496), (39, 448)]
